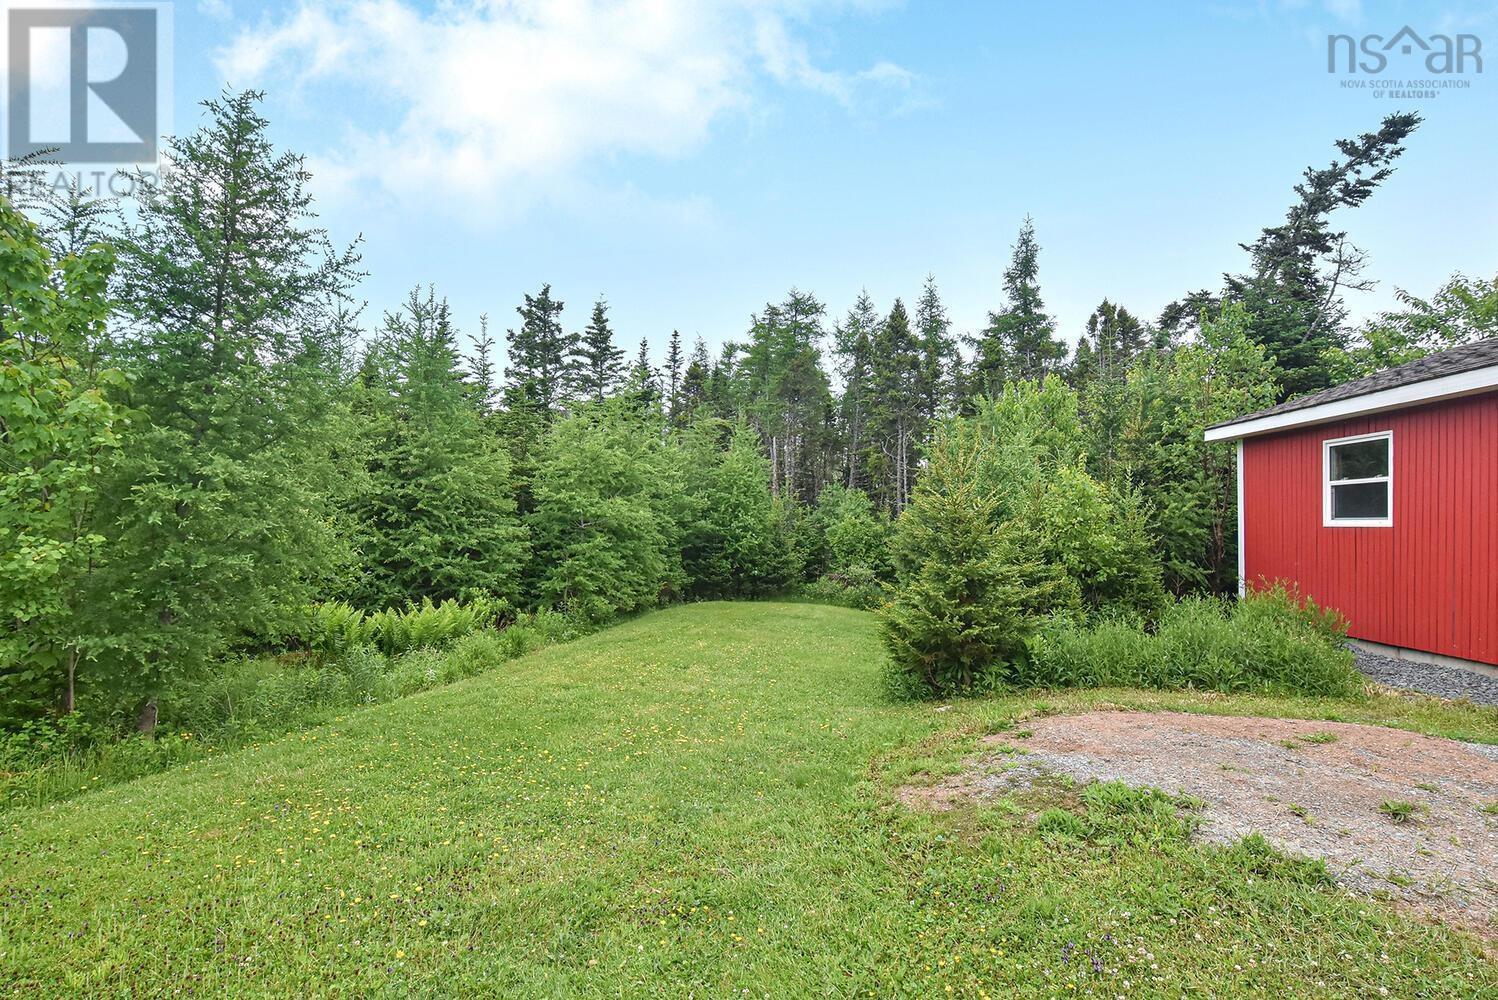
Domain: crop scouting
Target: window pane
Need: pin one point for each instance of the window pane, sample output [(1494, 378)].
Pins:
[(1360, 500), (1360, 460)]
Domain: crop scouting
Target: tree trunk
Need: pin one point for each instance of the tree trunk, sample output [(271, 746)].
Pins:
[(72, 703)]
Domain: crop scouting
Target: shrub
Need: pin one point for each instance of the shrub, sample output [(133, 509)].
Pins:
[(1101, 538), (1114, 652), (857, 537), (1267, 642), (857, 588), (968, 598)]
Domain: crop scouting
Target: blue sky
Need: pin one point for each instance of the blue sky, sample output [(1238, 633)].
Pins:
[(693, 159)]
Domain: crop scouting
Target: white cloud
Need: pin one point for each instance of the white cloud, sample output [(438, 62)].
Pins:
[(495, 104)]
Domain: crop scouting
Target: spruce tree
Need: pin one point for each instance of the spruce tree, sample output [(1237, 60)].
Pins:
[(853, 341), (438, 518), (1301, 267), (787, 394), (643, 387), (1112, 339), (936, 380), (541, 358), (695, 382), (894, 408), (601, 364), (969, 592), (673, 376), (481, 370), (1020, 341), (225, 499)]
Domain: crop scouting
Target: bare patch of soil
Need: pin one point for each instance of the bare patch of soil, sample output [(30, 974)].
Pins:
[(1311, 788)]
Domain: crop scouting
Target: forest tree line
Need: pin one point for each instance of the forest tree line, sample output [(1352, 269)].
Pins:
[(202, 436)]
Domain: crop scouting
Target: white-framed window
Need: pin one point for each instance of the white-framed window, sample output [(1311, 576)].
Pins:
[(1357, 474)]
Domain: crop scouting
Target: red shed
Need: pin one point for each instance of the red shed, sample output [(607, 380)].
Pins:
[(1380, 498)]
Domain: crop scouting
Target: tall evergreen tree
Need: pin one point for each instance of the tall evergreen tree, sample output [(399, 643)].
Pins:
[(894, 408), (787, 392), (481, 369), (673, 376), (225, 497), (1112, 339), (695, 382), (853, 341), (541, 357), (936, 380), (601, 364), (1020, 341), (643, 384), (1300, 268), (438, 518)]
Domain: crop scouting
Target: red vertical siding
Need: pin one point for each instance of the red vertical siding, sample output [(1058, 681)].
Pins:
[(1428, 582)]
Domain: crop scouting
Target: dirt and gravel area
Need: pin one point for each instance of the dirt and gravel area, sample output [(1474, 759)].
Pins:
[(1429, 678), (1316, 789)]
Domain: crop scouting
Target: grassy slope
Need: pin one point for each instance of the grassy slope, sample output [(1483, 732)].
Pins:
[(696, 802)]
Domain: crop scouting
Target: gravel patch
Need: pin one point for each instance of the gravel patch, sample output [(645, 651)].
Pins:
[(1310, 788), (1429, 678)]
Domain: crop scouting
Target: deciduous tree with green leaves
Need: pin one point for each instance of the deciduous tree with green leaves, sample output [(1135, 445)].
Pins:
[(605, 530), (58, 429)]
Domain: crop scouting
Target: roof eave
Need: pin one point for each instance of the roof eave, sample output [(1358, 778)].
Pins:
[(1415, 394)]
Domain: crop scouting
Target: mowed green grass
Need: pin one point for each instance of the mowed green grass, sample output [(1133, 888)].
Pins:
[(696, 803)]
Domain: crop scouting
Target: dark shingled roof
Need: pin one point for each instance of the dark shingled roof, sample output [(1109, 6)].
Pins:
[(1482, 354)]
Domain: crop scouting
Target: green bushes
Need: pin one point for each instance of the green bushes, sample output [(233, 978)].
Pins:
[(1268, 642), (856, 588), (263, 698), (1100, 537), (1015, 567)]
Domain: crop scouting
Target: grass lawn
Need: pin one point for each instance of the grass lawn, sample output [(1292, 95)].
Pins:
[(696, 803)]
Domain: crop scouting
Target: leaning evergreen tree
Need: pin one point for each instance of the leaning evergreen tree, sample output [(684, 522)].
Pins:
[(1300, 268), (224, 499)]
